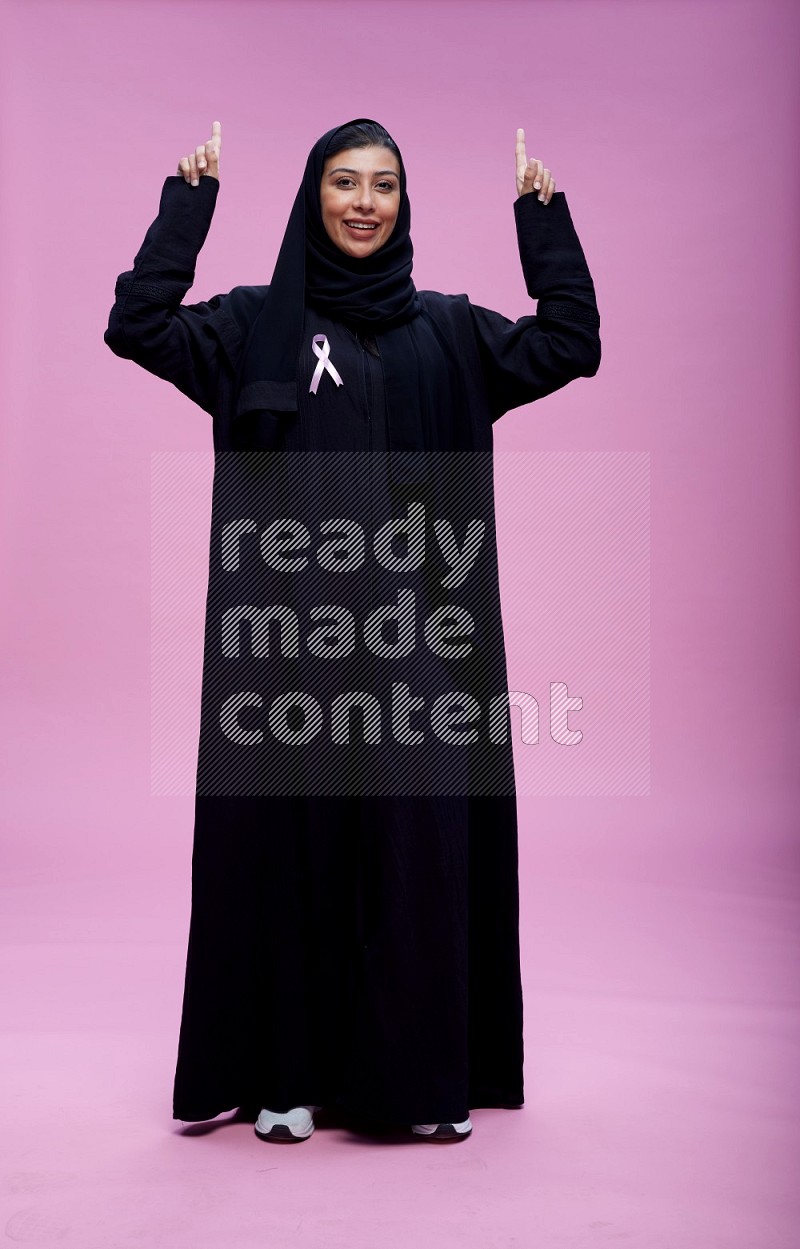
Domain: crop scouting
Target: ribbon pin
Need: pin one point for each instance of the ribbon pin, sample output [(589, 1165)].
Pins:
[(323, 362)]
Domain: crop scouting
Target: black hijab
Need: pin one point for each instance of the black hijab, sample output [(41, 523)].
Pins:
[(374, 295)]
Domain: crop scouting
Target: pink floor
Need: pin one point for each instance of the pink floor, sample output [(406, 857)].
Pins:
[(661, 1063)]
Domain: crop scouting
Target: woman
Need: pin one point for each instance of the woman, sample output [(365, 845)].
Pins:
[(354, 941)]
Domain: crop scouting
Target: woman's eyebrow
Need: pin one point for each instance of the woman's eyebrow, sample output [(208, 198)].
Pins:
[(341, 169)]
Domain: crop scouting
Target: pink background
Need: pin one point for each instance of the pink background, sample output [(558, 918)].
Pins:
[(658, 929)]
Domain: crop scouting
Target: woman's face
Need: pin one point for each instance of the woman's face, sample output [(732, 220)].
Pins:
[(360, 184)]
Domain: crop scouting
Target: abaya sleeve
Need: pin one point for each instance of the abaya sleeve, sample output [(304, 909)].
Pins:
[(189, 345), (526, 359)]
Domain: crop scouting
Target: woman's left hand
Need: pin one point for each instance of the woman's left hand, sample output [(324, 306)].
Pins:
[(532, 175)]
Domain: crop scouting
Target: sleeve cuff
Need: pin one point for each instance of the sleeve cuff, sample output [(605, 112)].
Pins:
[(558, 202)]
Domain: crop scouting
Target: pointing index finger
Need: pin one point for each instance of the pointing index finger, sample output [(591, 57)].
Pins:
[(522, 159)]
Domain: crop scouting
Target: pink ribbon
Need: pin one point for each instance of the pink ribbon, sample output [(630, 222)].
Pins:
[(324, 362)]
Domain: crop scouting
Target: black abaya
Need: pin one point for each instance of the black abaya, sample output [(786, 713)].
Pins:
[(357, 951)]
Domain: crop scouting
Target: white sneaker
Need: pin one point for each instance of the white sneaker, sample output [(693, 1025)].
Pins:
[(443, 1131), (296, 1124)]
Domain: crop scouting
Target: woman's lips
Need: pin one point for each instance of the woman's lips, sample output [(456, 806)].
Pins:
[(360, 229)]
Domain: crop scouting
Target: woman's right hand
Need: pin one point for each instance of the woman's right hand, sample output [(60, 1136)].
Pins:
[(203, 162)]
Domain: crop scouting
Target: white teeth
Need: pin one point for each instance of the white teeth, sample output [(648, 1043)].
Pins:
[(354, 225)]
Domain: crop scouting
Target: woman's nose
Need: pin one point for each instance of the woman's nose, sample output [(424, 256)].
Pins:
[(364, 198)]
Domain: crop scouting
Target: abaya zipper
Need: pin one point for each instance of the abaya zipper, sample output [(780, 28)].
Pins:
[(366, 391), (367, 394)]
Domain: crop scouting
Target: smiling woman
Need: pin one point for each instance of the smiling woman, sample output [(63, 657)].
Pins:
[(355, 945), (360, 197)]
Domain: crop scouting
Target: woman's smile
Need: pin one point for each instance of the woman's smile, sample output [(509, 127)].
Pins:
[(360, 198)]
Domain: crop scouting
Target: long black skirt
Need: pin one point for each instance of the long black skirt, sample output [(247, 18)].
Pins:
[(356, 952)]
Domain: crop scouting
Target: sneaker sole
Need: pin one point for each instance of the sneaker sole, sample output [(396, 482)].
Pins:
[(282, 1133), (444, 1132)]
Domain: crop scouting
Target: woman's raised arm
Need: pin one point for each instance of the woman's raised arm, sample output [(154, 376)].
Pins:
[(527, 359), (188, 345)]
